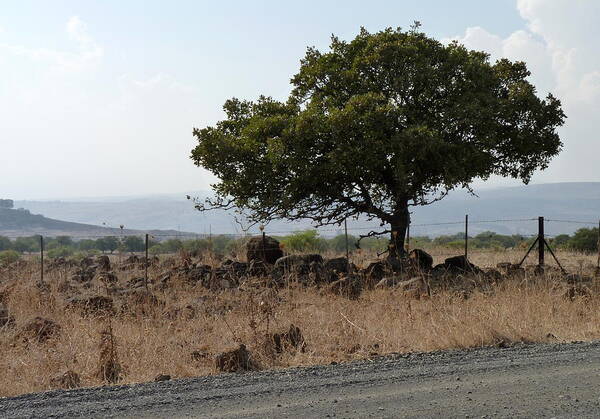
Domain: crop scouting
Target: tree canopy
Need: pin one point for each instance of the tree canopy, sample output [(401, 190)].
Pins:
[(389, 120)]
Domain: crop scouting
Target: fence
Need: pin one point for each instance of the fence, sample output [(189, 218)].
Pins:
[(539, 237)]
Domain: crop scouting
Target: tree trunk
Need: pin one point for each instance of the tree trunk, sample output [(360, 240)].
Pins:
[(399, 223)]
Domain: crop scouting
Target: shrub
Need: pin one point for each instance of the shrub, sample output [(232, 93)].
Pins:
[(8, 256), (303, 241), (585, 240), (60, 252)]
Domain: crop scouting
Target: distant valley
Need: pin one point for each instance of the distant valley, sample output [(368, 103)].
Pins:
[(556, 201)]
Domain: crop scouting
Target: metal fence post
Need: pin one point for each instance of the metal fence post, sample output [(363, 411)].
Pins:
[(41, 258), (146, 264), (541, 242), (466, 235), (347, 250)]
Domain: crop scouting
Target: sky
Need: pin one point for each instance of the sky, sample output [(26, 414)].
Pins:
[(99, 98)]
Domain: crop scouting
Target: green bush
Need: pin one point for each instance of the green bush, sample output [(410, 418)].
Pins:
[(60, 252), (584, 240), (304, 241), (8, 256)]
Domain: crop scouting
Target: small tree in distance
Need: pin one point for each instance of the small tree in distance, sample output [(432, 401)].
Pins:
[(376, 125)]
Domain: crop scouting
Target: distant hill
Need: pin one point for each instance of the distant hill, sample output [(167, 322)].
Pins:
[(21, 222), (560, 201)]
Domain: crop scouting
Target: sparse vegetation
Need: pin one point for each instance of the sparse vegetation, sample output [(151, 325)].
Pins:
[(94, 322)]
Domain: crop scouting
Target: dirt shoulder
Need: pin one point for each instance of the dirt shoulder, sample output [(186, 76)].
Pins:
[(523, 380)]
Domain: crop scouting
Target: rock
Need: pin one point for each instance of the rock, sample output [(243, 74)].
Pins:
[(132, 260), (235, 360), (67, 380), (267, 250), (108, 277), (375, 271), (493, 275), (103, 263), (422, 259), (92, 305), (40, 330), (350, 287), (162, 377), (257, 267), (339, 265), (291, 339), (460, 264), (84, 274), (289, 261), (86, 262)]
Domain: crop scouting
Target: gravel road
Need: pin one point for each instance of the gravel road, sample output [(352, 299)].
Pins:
[(557, 380)]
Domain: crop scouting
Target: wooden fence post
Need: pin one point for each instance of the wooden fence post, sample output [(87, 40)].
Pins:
[(41, 258)]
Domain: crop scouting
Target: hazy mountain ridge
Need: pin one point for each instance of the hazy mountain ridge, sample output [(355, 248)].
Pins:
[(564, 201), (21, 222)]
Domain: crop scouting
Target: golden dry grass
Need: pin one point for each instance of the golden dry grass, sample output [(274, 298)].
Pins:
[(158, 337)]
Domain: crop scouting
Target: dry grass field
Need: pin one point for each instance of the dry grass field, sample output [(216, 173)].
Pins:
[(69, 331)]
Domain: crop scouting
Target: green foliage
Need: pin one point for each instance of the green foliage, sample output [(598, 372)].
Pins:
[(196, 246), (87, 244), (134, 244), (585, 240), (8, 256), (27, 244), (107, 244), (304, 241), (375, 125), (5, 243), (60, 251), (561, 240)]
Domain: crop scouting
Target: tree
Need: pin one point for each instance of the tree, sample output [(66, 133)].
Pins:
[(110, 244), (7, 203), (27, 244), (585, 240), (5, 243), (374, 126), (134, 244)]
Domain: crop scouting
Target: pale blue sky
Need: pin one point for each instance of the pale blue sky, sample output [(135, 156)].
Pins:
[(103, 94)]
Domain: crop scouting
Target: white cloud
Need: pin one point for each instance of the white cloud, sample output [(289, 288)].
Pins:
[(88, 55), (560, 48)]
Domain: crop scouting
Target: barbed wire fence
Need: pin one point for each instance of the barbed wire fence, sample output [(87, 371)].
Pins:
[(539, 237)]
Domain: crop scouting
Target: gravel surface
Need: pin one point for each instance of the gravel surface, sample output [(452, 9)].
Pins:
[(550, 380)]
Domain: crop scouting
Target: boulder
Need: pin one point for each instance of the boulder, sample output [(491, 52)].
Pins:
[(292, 338), (289, 261), (422, 259), (460, 264), (103, 263), (339, 265), (374, 272), (267, 249), (235, 360)]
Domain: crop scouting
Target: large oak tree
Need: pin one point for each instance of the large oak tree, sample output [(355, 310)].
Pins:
[(376, 125)]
